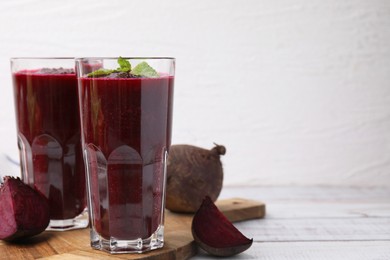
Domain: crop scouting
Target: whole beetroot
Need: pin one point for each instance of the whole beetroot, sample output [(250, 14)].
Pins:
[(24, 212), (192, 174)]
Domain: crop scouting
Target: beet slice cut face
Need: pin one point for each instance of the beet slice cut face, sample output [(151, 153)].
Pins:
[(24, 212), (215, 234)]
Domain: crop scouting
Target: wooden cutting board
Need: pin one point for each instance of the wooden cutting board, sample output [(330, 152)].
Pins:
[(179, 243)]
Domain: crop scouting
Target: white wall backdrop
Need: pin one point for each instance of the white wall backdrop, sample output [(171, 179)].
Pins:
[(298, 91)]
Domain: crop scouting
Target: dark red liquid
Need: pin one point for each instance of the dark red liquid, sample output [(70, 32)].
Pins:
[(127, 132), (48, 123)]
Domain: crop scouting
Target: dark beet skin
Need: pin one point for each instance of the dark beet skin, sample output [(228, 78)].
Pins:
[(215, 234), (192, 174), (24, 212)]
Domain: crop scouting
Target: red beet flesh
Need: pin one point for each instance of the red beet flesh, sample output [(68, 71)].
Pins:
[(215, 234), (24, 212)]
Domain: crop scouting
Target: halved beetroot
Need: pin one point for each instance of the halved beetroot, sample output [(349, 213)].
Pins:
[(24, 212), (215, 234)]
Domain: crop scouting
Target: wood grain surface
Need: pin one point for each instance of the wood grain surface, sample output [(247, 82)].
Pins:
[(179, 243)]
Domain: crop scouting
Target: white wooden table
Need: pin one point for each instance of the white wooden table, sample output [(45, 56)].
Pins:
[(316, 223), (310, 222)]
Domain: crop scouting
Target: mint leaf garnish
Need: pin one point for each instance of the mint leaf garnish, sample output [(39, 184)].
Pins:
[(143, 69), (100, 73), (124, 65)]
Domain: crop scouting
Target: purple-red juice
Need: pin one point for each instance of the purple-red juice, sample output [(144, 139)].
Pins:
[(48, 124), (127, 134)]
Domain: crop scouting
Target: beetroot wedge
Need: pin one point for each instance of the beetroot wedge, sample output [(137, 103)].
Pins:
[(215, 234), (24, 212)]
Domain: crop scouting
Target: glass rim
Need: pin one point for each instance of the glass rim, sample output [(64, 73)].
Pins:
[(93, 58), (125, 57), (42, 58)]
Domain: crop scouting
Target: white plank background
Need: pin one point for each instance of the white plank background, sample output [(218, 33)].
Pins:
[(316, 223)]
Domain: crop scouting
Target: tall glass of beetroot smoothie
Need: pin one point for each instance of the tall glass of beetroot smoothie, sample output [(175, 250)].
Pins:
[(126, 115), (48, 128)]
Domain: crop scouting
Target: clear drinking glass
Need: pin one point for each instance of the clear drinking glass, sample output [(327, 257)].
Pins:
[(48, 128), (126, 133)]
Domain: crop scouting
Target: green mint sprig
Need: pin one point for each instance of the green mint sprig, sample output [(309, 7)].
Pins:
[(143, 69), (100, 73), (124, 65)]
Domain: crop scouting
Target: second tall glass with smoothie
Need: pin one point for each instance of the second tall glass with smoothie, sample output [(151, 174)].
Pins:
[(48, 125)]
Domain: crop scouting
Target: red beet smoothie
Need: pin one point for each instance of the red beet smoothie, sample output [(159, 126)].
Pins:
[(127, 133), (48, 123)]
